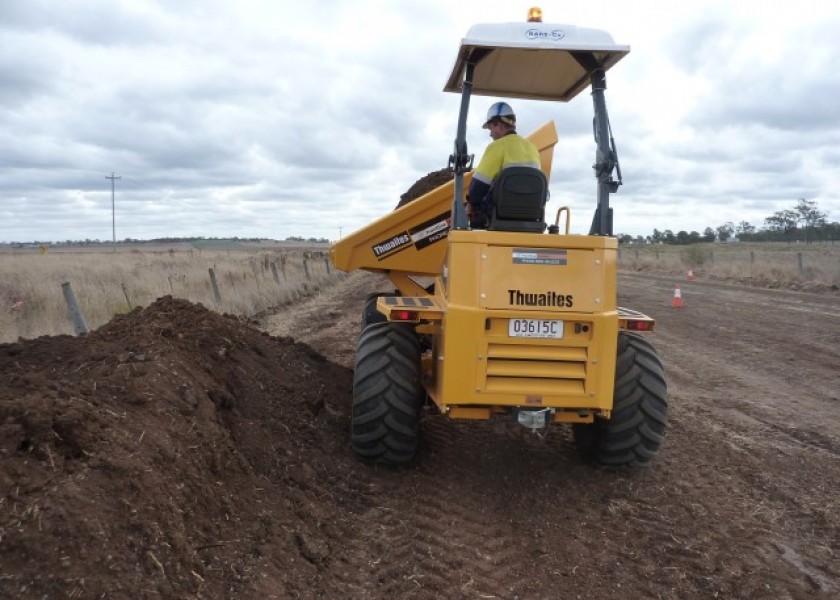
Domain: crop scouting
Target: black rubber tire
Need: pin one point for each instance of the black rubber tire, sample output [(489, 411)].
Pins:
[(630, 439), (369, 314), (388, 397)]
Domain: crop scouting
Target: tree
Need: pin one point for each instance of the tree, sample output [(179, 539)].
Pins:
[(744, 230), (708, 234), (784, 222), (831, 231), (810, 216), (724, 232)]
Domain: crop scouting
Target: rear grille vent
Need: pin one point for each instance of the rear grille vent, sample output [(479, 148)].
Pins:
[(536, 369)]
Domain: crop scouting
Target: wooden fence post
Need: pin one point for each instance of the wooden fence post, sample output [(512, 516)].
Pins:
[(125, 293), (79, 324), (799, 259), (274, 273), (215, 285), (327, 263), (306, 268)]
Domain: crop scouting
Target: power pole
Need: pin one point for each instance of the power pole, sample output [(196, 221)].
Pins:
[(113, 212)]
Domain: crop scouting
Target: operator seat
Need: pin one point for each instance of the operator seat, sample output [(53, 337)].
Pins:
[(519, 197)]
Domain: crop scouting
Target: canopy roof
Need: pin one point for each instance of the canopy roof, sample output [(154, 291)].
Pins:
[(533, 60)]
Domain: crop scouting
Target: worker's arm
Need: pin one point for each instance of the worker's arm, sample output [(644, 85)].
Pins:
[(486, 171), (477, 192)]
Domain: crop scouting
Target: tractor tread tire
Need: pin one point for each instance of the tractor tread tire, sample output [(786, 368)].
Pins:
[(388, 397), (631, 438)]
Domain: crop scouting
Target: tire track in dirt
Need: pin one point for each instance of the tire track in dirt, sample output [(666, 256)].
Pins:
[(486, 548), (422, 537)]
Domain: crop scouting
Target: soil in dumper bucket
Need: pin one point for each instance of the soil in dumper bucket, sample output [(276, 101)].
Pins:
[(425, 185)]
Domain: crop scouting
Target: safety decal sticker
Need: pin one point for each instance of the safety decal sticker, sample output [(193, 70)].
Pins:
[(539, 256)]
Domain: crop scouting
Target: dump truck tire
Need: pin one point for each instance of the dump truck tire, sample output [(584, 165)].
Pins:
[(631, 438), (387, 395), (370, 315)]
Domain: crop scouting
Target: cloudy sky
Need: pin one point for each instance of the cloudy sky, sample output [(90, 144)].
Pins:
[(267, 118)]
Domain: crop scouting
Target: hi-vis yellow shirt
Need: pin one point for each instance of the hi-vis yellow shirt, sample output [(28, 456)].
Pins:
[(511, 150)]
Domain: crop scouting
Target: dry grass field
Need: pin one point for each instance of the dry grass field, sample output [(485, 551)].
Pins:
[(250, 278), (807, 267)]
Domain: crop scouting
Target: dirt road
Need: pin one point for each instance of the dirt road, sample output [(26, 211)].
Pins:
[(743, 501)]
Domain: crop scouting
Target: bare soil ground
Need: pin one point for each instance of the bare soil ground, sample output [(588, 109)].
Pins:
[(182, 454)]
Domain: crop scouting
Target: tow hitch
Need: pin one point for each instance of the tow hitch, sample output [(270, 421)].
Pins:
[(535, 420)]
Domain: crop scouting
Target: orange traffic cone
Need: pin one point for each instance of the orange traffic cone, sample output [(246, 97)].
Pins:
[(690, 275), (677, 302)]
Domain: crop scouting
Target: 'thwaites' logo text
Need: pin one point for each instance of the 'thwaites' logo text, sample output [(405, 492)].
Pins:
[(548, 298), (388, 246)]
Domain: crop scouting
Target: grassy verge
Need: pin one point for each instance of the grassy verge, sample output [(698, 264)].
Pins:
[(812, 267), (108, 283)]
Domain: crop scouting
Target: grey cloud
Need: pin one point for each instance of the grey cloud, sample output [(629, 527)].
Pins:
[(699, 46), (796, 91), (24, 74), (88, 21)]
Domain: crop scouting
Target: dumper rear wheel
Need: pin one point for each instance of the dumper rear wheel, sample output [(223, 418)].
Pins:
[(387, 395), (631, 438)]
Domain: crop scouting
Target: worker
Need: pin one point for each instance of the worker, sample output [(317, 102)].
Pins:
[(508, 149)]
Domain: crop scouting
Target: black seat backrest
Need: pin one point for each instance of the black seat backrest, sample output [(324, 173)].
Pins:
[(519, 197)]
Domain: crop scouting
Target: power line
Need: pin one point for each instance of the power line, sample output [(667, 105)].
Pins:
[(112, 177)]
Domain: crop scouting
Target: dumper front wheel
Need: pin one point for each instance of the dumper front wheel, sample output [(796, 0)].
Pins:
[(632, 436), (387, 394)]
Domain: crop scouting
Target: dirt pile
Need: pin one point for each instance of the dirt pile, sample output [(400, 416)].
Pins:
[(425, 184), (173, 452)]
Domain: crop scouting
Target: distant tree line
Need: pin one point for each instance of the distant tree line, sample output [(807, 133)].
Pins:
[(805, 222), (169, 240), (311, 240)]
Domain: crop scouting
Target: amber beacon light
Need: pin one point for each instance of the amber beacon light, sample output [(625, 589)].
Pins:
[(535, 14)]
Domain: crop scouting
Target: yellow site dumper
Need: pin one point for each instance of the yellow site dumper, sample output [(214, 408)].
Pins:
[(521, 319)]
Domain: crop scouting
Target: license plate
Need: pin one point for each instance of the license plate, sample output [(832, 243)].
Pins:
[(535, 328)]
